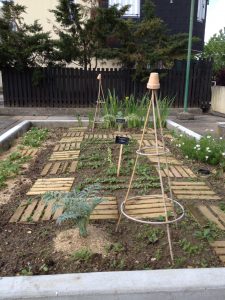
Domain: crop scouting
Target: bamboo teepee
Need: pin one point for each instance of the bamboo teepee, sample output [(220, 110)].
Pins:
[(161, 200)]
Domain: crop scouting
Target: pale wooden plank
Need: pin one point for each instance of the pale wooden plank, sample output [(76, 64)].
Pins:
[(197, 215), (189, 192), (73, 166), (38, 211), (187, 188), (145, 211), (48, 212), (189, 172), (198, 197), (208, 214), (152, 205), (104, 217), (46, 169), (220, 251), (58, 213), (65, 167), (218, 244), (181, 171), (56, 148), (187, 183), (28, 211), (175, 172), (55, 168), (218, 212), (19, 211)]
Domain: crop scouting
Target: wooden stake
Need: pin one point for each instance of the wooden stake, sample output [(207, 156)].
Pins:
[(119, 161)]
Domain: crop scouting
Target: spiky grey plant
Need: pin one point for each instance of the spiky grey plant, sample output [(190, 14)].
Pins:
[(77, 205)]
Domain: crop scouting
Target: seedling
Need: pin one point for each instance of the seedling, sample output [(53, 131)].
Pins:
[(83, 255)]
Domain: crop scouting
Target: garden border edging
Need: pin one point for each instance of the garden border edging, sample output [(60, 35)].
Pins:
[(194, 284)]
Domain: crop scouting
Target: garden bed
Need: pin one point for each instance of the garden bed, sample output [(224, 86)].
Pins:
[(42, 247)]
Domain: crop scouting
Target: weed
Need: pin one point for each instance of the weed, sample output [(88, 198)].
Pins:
[(83, 255), (43, 268), (179, 262), (158, 254), (79, 121), (152, 235), (188, 247), (27, 271), (11, 166), (118, 264), (35, 137), (209, 233), (117, 247), (222, 206)]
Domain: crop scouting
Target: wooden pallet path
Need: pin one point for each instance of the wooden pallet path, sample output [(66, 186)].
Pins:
[(74, 139), (42, 186), (163, 160), (67, 146), (73, 134), (57, 168), (29, 152), (65, 155), (82, 129), (213, 214), (138, 136), (193, 191), (38, 210), (99, 136), (219, 248), (150, 143), (176, 172), (147, 207)]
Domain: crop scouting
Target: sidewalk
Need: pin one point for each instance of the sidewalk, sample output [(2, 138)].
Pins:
[(201, 123)]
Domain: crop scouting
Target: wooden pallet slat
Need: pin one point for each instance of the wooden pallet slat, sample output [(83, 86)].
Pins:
[(209, 215), (19, 211), (28, 211), (55, 168), (38, 211)]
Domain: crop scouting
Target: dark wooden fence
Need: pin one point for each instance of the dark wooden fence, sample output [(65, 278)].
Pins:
[(67, 87)]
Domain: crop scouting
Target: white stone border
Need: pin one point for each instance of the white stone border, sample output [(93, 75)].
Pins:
[(177, 284), (175, 126)]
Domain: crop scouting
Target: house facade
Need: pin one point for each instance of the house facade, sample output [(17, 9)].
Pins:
[(175, 13)]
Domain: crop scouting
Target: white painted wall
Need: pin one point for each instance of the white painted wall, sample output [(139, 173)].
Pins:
[(218, 99), (39, 10)]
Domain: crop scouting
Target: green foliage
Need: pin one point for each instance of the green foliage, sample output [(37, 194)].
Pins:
[(78, 205), (22, 45), (27, 271), (209, 150), (188, 247), (152, 235), (209, 233), (164, 109), (10, 166), (215, 49), (34, 137), (82, 255)]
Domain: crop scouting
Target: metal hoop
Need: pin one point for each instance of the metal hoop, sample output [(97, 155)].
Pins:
[(142, 151), (152, 222)]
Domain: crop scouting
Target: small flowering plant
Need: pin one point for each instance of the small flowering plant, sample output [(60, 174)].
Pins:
[(208, 149)]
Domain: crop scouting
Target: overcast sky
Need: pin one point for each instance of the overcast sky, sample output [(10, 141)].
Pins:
[(215, 17)]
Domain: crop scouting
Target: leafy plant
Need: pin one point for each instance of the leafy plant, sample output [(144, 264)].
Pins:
[(10, 166), (188, 247), (210, 233), (82, 255), (35, 137), (208, 149), (78, 205), (152, 235), (27, 271), (164, 108)]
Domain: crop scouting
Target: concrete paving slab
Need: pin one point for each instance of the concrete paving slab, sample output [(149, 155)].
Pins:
[(201, 124)]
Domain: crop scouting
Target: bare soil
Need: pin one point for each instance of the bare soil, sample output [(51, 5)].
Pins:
[(36, 248)]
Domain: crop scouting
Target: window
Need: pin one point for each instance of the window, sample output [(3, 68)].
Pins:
[(134, 9), (201, 10)]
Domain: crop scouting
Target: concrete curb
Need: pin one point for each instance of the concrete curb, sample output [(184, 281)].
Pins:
[(194, 284), (174, 126), (7, 138)]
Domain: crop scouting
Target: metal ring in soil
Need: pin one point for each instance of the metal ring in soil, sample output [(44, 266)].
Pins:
[(153, 222), (143, 151)]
